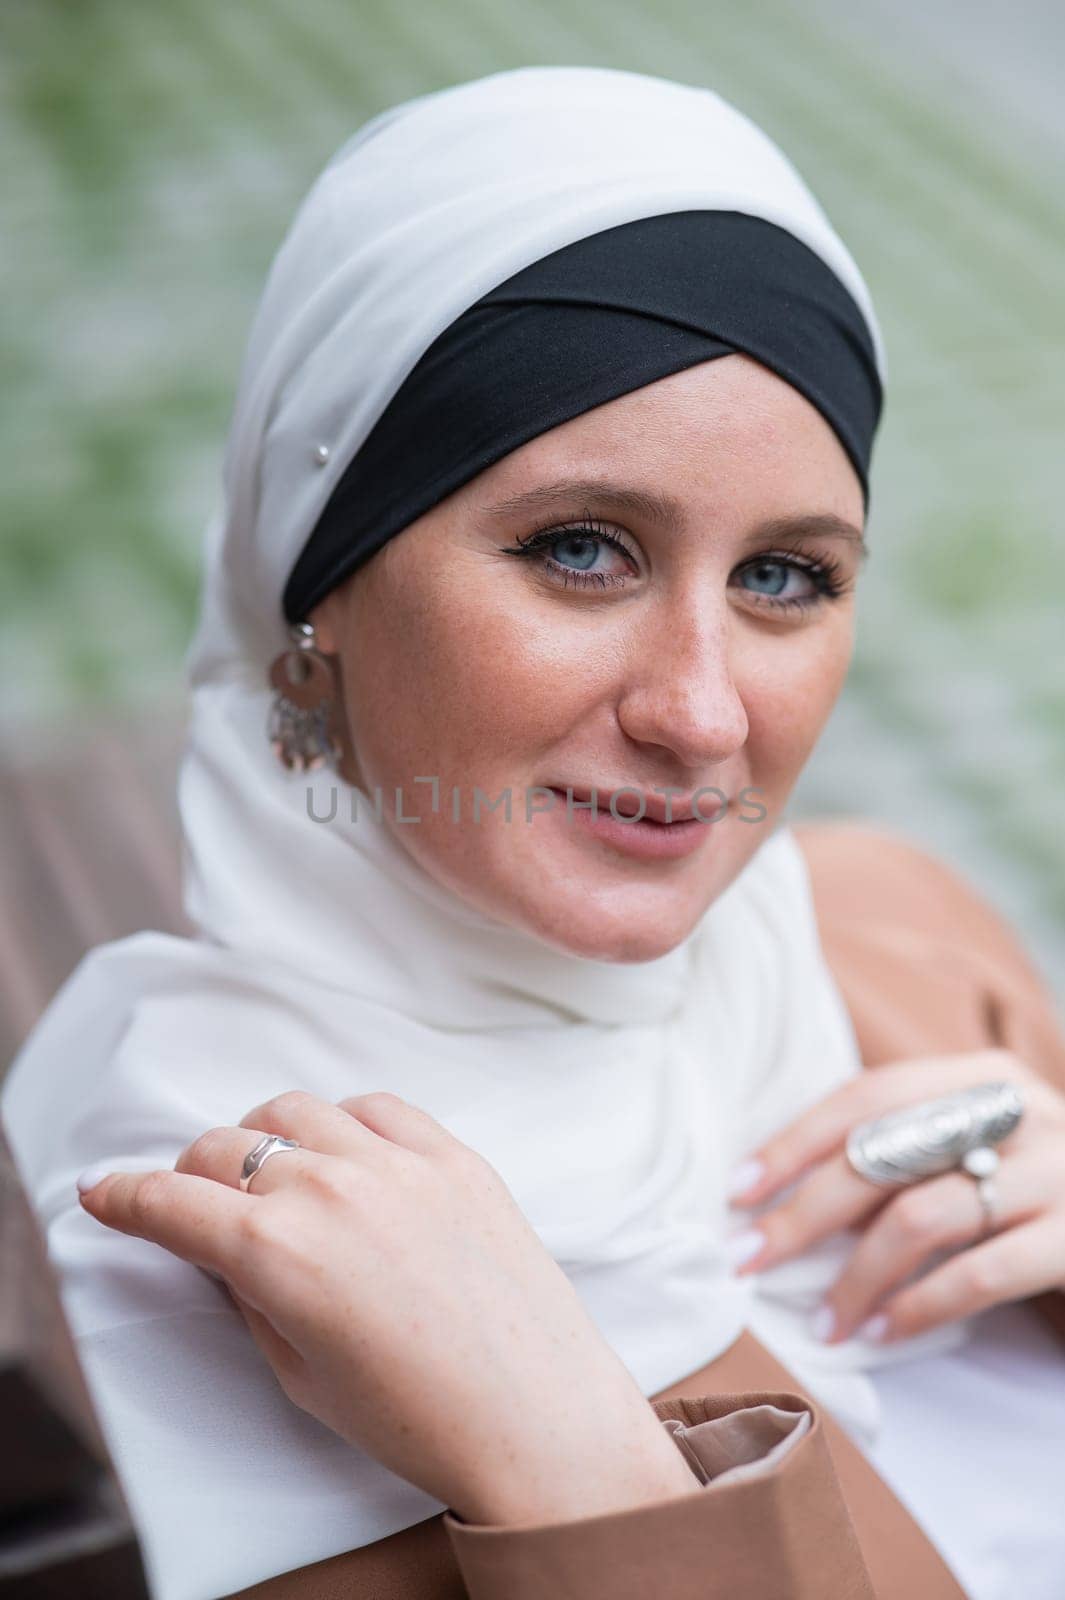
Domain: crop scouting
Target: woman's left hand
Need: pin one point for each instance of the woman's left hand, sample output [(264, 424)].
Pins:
[(903, 1229)]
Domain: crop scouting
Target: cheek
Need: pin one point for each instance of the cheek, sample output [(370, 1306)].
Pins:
[(790, 688), (463, 677)]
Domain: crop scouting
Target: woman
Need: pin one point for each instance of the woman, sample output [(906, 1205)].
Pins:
[(588, 344)]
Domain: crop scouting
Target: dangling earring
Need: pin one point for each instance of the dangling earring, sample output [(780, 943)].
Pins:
[(305, 726)]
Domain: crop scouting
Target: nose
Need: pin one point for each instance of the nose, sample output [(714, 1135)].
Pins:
[(679, 691)]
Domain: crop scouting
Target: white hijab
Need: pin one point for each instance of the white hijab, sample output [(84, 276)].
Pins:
[(614, 1100)]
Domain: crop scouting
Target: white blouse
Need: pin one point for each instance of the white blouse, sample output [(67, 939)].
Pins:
[(973, 1444)]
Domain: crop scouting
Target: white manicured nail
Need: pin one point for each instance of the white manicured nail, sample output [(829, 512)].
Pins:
[(91, 1177), (744, 1246), (874, 1329), (745, 1177), (823, 1322)]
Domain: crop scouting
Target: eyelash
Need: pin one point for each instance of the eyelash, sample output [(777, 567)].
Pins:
[(825, 572), (536, 543)]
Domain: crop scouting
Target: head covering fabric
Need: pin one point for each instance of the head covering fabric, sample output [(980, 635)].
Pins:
[(428, 207), (589, 322), (613, 1099)]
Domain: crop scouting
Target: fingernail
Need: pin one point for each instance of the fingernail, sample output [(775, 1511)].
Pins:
[(743, 1247), (823, 1323), (875, 1328), (745, 1177), (91, 1177)]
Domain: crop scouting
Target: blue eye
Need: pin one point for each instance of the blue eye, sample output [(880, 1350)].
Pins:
[(579, 557), (769, 577), (583, 549)]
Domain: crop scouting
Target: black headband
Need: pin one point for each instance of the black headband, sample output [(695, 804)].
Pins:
[(592, 321)]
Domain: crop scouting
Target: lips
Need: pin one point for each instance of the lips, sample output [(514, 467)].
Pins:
[(681, 807)]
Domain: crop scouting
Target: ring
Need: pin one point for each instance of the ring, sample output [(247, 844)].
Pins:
[(935, 1136), (268, 1146), (981, 1164)]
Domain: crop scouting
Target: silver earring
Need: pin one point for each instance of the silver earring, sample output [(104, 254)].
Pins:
[(304, 727)]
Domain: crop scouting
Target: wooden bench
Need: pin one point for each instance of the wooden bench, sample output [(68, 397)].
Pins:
[(88, 852), (65, 1529)]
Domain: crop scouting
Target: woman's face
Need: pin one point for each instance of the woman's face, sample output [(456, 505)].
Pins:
[(655, 596)]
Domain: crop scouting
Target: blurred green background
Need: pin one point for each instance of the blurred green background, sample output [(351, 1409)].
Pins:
[(152, 152)]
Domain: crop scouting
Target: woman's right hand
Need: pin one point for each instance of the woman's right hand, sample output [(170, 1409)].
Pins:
[(401, 1297)]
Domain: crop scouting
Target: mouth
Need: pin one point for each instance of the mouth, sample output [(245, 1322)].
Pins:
[(667, 810), (650, 827)]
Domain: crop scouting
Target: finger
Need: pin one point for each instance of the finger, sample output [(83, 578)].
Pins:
[(199, 1221), (314, 1123), (1020, 1262), (939, 1214), (219, 1155), (828, 1199), (401, 1123), (824, 1127)]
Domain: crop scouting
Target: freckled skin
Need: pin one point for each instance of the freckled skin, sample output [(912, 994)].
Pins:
[(478, 667)]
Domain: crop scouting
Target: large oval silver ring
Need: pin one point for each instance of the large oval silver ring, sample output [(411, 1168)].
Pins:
[(268, 1146), (934, 1136)]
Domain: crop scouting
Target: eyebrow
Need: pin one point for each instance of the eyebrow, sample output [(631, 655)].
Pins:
[(667, 513)]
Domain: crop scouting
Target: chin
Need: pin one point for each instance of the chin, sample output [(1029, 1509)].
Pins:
[(639, 931)]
